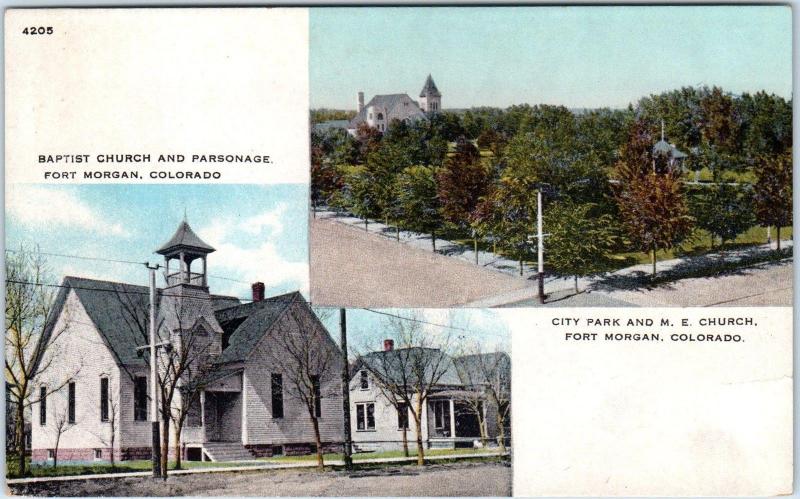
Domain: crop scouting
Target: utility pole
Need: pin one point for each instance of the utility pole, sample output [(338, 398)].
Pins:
[(348, 439), (156, 444), (540, 248)]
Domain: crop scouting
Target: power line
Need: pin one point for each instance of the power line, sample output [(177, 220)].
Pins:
[(445, 326), (111, 260), (121, 291)]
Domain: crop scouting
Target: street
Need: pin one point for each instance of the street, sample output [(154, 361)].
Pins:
[(461, 479)]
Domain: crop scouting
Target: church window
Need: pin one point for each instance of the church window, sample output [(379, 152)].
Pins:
[(43, 405), (277, 395), (140, 399), (71, 403), (380, 116), (364, 380), (103, 399)]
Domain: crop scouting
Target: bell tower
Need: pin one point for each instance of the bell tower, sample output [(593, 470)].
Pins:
[(187, 248), (430, 99)]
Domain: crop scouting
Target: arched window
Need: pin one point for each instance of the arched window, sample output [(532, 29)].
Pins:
[(380, 116)]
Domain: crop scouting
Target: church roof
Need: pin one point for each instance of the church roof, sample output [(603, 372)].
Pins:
[(429, 88), (384, 102), (119, 311), (184, 237)]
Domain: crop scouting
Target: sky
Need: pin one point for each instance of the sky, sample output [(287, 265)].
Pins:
[(572, 56), (260, 232), (465, 329)]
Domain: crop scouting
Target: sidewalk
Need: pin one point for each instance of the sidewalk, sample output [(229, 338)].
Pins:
[(251, 467)]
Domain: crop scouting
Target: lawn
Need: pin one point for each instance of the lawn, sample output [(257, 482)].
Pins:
[(363, 456), (47, 470), (701, 243)]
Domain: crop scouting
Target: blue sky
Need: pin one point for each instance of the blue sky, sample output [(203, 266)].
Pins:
[(573, 56), (366, 330), (260, 232)]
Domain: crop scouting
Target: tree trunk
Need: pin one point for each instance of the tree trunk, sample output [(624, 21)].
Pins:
[(318, 441), (433, 240), (576, 285), (475, 244), (178, 431), (405, 442), (397, 231), (520, 267), (501, 433), (20, 439), (55, 451), (366, 225), (482, 426), (418, 427), (778, 230), (654, 260), (164, 448)]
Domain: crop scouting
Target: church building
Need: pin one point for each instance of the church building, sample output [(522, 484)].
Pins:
[(239, 391), (381, 110)]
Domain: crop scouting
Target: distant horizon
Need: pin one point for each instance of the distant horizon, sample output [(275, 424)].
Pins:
[(579, 57)]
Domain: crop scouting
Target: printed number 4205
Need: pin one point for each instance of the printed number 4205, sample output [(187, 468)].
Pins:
[(38, 30)]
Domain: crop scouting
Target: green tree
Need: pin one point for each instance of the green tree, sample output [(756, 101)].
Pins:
[(418, 200), (773, 191), (580, 242), (723, 210)]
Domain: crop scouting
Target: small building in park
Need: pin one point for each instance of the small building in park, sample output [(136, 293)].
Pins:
[(459, 402), (238, 390), (383, 109)]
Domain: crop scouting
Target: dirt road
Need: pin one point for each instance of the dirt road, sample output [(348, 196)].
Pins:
[(463, 479), (354, 268)]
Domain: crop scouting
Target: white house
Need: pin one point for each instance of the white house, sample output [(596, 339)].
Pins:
[(381, 110), (449, 417), (246, 407)]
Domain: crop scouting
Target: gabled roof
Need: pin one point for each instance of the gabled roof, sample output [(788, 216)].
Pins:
[(185, 237), (120, 313), (664, 147), (429, 88), (472, 369), (439, 367), (246, 324), (385, 102)]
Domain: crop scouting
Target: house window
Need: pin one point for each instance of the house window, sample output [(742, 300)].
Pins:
[(317, 396), (193, 415), (103, 399), (365, 417), (51, 454), (71, 403), (364, 380), (441, 414), (43, 405), (98, 454), (402, 417), (380, 116), (140, 399), (370, 115), (277, 395)]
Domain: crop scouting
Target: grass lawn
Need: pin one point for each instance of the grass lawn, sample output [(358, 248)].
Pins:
[(701, 243), (47, 470), (376, 455)]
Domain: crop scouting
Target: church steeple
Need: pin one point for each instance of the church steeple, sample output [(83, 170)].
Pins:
[(185, 246), (430, 98)]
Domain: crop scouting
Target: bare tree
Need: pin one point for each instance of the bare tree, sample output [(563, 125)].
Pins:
[(32, 333), (493, 375), (307, 357), (107, 435), (412, 371), (61, 425)]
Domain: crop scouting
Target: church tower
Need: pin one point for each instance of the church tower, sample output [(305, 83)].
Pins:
[(430, 99), (185, 247)]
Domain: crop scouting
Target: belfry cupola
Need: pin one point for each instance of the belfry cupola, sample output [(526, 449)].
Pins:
[(430, 99), (187, 248)]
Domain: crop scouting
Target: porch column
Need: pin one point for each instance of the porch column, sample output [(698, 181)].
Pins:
[(184, 276), (205, 280), (203, 414), (452, 418)]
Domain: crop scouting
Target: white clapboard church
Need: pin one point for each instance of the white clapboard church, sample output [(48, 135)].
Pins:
[(245, 405)]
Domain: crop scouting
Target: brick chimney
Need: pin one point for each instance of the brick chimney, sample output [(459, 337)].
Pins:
[(388, 345), (360, 101), (258, 291)]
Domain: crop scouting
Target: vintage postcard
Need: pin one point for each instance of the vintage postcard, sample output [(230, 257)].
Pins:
[(399, 251)]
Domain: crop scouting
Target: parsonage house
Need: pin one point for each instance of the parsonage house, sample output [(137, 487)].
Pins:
[(459, 402), (382, 109), (238, 391)]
